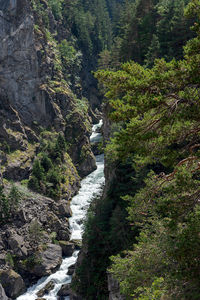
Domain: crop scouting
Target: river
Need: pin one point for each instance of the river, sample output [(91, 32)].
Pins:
[(90, 186)]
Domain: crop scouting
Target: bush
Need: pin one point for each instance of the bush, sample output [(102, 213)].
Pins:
[(9, 204), (35, 231), (46, 162), (38, 170), (34, 184)]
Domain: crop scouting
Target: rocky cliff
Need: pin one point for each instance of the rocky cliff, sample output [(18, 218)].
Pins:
[(44, 126), (34, 88)]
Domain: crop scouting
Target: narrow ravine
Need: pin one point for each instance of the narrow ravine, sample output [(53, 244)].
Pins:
[(90, 187)]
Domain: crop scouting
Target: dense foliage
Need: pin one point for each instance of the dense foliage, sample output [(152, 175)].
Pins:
[(158, 109), (50, 174), (148, 29)]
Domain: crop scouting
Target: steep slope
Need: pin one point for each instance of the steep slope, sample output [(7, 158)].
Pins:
[(44, 136)]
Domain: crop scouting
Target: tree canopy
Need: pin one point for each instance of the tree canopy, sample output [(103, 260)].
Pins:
[(158, 112)]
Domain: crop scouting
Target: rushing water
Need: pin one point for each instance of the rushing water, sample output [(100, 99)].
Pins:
[(90, 186)]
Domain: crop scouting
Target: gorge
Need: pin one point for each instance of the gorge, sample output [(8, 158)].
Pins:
[(91, 186), (99, 142)]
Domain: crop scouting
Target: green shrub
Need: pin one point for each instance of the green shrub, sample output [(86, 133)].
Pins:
[(9, 204), (35, 231)]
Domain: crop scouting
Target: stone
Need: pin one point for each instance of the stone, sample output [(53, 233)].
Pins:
[(64, 234), (77, 243), (67, 248), (12, 283), (2, 293), (88, 165), (16, 244), (48, 261), (21, 216), (64, 209), (45, 290), (65, 290), (71, 270)]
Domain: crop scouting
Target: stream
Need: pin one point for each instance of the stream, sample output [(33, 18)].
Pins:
[(90, 187)]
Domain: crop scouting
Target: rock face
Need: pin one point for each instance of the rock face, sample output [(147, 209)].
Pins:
[(12, 283), (29, 95), (18, 55)]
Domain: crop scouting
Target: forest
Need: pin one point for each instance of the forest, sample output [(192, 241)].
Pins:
[(145, 231)]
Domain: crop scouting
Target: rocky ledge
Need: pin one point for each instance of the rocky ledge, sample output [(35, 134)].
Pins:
[(33, 241)]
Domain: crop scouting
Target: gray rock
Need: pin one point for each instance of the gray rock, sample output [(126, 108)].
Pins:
[(48, 261), (48, 287), (16, 244), (64, 209), (2, 293), (71, 270), (67, 248), (21, 215), (12, 283), (65, 290), (64, 235), (88, 165), (77, 243)]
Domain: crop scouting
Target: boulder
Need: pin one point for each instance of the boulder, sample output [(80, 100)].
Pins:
[(64, 209), (64, 234), (21, 215), (71, 270), (48, 287), (67, 248), (65, 290), (16, 244), (12, 283), (2, 293), (88, 165), (47, 261), (77, 243)]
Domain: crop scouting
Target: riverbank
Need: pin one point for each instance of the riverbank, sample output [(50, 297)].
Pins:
[(90, 186)]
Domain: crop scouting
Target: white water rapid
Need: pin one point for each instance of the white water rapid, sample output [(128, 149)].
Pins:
[(90, 186)]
